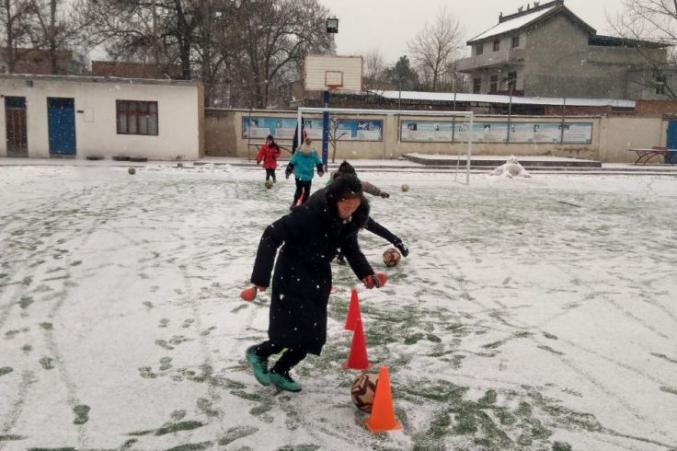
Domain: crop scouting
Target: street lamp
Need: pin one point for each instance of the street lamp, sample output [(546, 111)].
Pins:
[(511, 79), (332, 25)]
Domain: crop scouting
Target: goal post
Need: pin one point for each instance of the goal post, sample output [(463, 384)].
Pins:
[(459, 125)]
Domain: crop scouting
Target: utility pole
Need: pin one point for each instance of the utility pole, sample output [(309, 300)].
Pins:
[(511, 87)]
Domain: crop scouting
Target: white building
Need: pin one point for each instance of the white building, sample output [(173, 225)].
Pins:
[(80, 116)]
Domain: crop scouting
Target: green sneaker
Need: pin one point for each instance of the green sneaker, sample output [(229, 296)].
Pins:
[(284, 382), (259, 366)]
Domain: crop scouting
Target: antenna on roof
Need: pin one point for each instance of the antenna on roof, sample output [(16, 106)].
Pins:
[(528, 6), (520, 9)]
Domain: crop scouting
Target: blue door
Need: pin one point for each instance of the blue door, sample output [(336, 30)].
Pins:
[(61, 120), (671, 156)]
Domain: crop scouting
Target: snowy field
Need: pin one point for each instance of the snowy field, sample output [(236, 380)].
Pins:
[(534, 314)]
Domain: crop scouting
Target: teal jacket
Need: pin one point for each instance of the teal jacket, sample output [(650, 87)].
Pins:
[(304, 164)]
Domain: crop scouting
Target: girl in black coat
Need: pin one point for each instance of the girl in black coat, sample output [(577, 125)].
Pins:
[(310, 236)]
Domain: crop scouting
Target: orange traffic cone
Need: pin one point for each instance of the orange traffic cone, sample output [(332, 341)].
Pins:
[(382, 417), (357, 360), (354, 314)]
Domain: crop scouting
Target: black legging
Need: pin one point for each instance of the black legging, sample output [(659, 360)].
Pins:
[(270, 173), (302, 187), (289, 359)]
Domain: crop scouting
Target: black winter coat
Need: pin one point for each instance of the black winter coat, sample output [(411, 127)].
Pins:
[(312, 234)]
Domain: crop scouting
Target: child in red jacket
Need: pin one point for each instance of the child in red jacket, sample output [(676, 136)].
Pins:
[(268, 154)]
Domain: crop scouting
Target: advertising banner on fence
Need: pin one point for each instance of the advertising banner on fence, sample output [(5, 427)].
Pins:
[(283, 128), (496, 132), (259, 127)]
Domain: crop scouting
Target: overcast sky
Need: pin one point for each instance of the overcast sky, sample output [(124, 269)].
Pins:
[(389, 24)]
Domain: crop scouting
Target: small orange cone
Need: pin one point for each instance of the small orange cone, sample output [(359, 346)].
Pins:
[(382, 417), (354, 314), (357, 360)]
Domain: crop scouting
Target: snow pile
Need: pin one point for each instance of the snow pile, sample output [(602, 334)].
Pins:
[(511, 168)]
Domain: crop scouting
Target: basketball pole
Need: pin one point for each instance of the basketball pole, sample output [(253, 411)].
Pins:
[(299, 127), (325, 131)]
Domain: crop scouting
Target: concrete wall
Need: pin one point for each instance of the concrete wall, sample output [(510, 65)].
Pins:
[(611, 137), (555, 50), (179, 116), (618, 134)]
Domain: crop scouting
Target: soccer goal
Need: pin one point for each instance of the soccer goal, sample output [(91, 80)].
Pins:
[(442, 131)]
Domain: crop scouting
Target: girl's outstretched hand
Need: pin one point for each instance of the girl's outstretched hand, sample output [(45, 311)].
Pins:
[(249, 294), (375, 281)]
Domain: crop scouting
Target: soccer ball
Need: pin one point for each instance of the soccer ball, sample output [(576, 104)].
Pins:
[(363, 390), (269, 184), (391, 257), (405, 188), (131, 171)]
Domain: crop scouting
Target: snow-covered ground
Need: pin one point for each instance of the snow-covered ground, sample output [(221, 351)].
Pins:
[(531, 314)]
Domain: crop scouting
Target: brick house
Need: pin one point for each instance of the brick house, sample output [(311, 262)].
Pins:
[(547, 50)]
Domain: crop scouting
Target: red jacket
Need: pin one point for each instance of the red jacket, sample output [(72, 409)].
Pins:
[(269, 155)]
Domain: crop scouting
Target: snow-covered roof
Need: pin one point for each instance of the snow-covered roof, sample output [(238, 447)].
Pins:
[(98, 79), (517, 100), (513, 24)]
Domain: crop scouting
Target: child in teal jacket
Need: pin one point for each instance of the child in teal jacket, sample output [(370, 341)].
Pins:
[(303, 164)]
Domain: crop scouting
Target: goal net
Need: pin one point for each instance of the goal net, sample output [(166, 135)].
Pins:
[(447, 134)]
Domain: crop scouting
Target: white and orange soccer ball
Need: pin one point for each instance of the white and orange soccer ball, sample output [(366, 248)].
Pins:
[(363, 391), (391, 257)]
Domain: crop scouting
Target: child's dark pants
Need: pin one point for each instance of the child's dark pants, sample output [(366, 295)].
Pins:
[(302, 187), (270, 173)]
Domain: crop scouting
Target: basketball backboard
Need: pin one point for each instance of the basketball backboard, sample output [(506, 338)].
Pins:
[(333, 73)]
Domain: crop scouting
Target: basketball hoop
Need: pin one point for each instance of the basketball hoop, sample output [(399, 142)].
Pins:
[(333, 73)]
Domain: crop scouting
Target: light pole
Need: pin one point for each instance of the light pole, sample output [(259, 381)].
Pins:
[(399, 100), (561, 125), (555, 67), (511, 88), (332, 24)]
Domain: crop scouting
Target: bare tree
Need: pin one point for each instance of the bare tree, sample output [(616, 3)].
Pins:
[(13, 20), (335, 135), (651, 20), (133, 29), (435, 46), (375, 73), (54, 27), (275, 36), (246, 52)]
